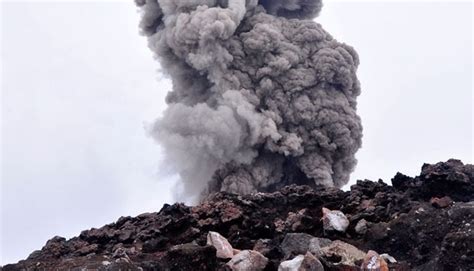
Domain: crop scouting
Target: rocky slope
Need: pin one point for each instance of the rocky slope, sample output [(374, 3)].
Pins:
[(421, 223)]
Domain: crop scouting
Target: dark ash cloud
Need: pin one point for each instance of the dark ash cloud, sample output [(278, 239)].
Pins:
[(262, 96)]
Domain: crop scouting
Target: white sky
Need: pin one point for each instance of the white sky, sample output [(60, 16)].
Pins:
[(78, 83)]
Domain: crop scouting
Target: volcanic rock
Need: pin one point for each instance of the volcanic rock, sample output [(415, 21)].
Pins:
[(299, 243), (305, 262), (361, 227), (441, 202), (187, 257), (248, 260), (274, 227), (451, 178), (342, 253), (388, 258), (224, 249), (268, 247), (334, 220)]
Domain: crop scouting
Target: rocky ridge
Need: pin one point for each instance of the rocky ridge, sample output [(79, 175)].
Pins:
[(420, 223)]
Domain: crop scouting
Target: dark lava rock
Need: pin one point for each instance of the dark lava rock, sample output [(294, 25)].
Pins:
[(295, 244), (399, 220), (188, 257), (451, 178), (155, 244)]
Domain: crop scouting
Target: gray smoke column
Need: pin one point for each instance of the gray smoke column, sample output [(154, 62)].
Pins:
[(262, 96)]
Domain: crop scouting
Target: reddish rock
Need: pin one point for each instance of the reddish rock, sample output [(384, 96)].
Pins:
[(441, 202), (223, 249)]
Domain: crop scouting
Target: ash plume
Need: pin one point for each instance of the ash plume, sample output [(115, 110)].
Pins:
[(262, 96)]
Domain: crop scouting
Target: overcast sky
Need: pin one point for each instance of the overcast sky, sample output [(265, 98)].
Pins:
[(79, 84)]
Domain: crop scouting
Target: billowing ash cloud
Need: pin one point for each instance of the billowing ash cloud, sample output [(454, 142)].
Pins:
[(262, 95)]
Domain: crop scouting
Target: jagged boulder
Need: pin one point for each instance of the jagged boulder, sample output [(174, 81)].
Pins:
[(223, 248), (306, 262)]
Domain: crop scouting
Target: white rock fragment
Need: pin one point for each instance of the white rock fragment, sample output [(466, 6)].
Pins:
[(299, 243), (334, 220), (388, 258), (361, 227), (223, 247), (248, 260), (105, 263), (291, 265), (302, 263)]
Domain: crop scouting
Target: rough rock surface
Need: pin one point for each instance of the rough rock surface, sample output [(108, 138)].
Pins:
[(248, 260), (307, 262), (224, 249), (334, 220), (400, 220)]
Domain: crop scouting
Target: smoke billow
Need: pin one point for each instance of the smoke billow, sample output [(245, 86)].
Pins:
[(262, 96)]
